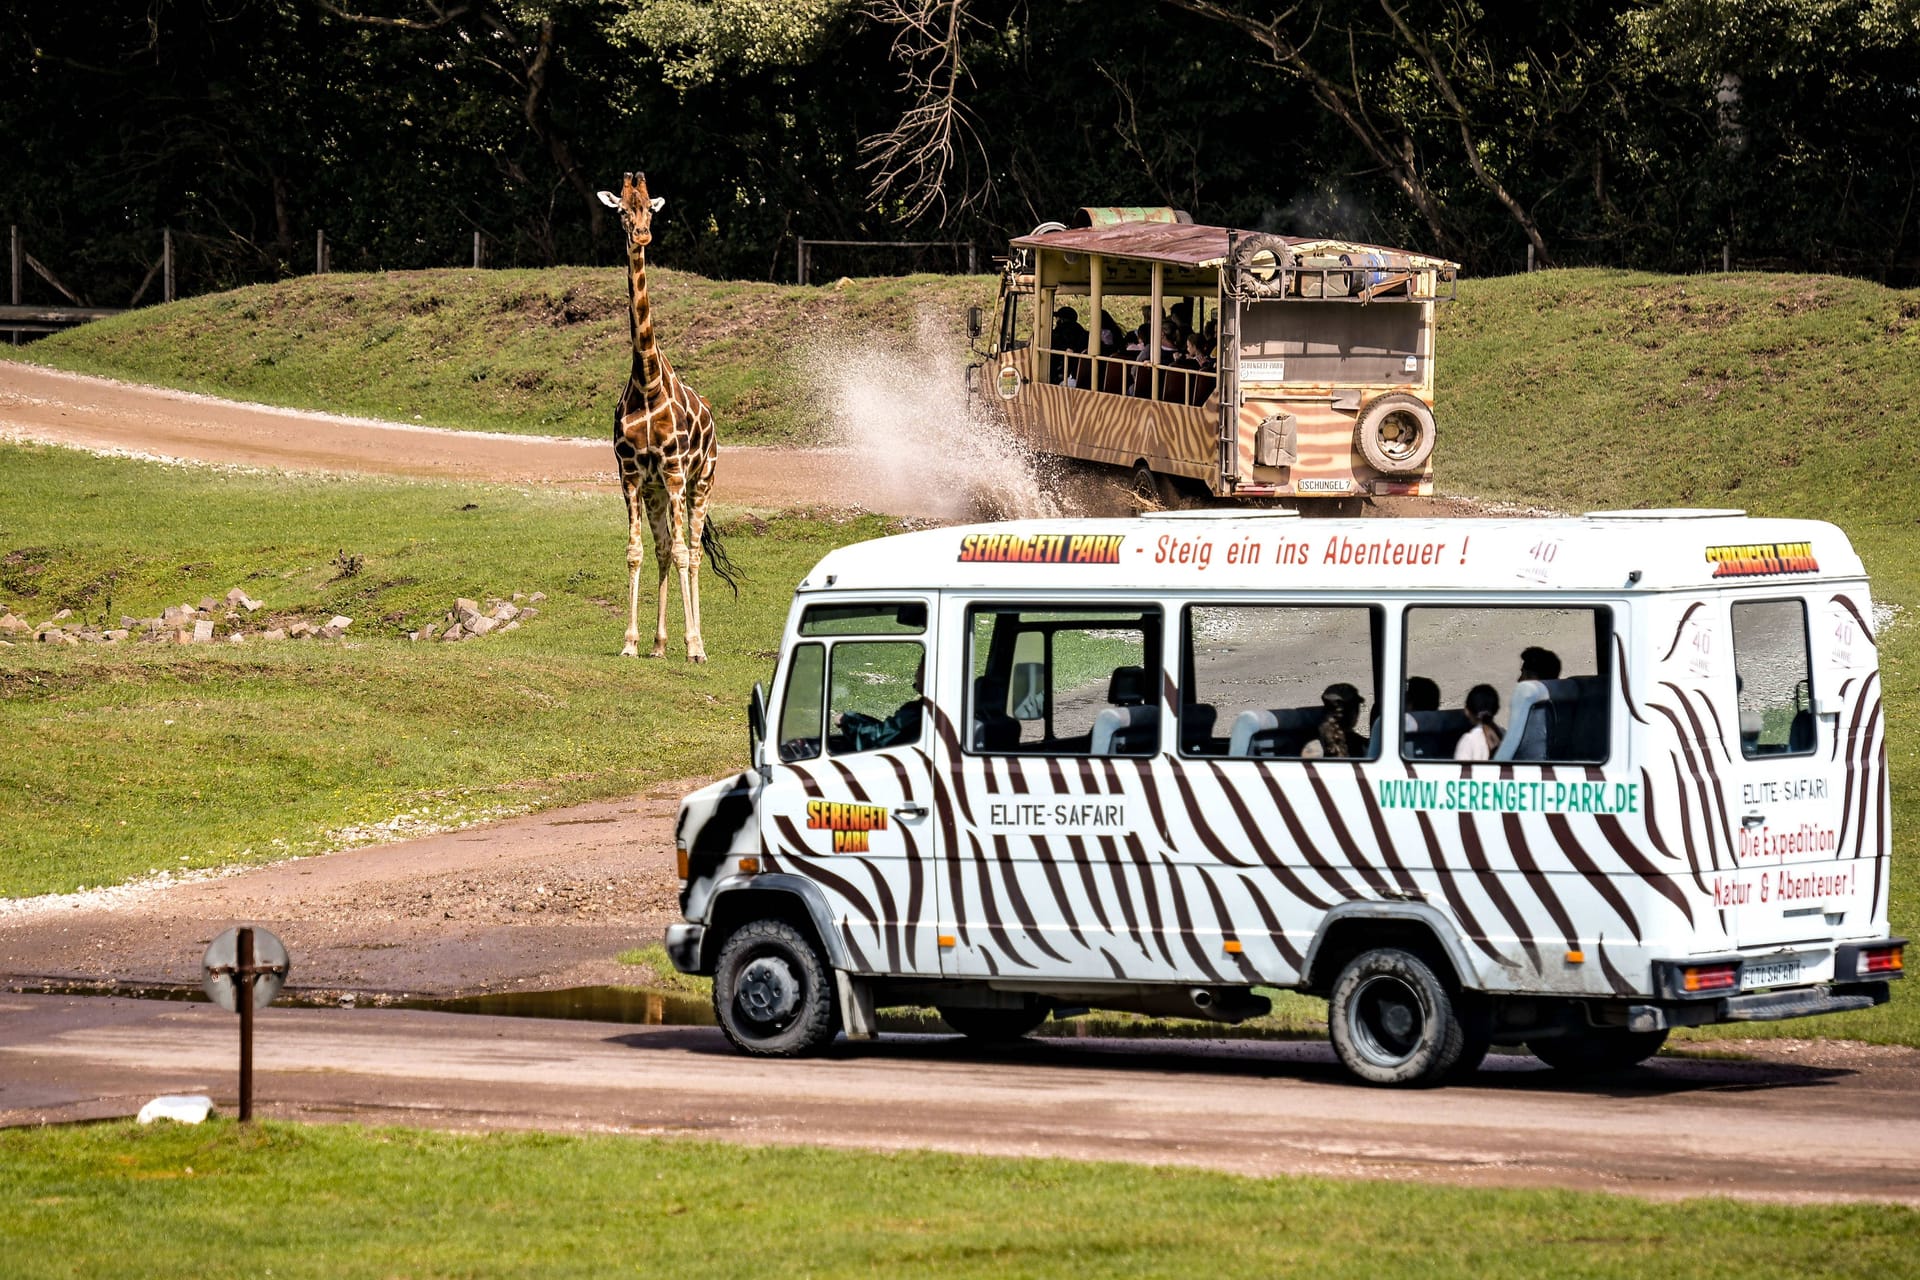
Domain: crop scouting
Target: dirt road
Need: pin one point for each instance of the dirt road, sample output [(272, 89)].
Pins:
[(538, 902), (98, 413), (1812, 1123)]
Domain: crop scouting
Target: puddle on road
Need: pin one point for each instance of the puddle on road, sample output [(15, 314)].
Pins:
[(585, 1004)]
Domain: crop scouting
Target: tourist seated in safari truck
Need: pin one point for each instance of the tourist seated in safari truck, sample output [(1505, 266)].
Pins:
[(1251, 365)]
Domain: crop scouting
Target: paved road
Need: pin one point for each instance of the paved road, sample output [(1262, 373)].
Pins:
[(1815, 1122)]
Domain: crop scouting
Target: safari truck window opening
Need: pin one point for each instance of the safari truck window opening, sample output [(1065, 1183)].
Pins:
[(1019, 809), (1559, 712), (1285, 680), (1773, 678), (1061, 678)]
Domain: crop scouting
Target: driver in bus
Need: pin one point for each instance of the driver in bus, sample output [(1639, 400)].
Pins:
[(1068, 335)]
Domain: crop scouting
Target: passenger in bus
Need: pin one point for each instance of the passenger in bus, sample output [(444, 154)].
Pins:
[(1173, 359), (1338, 738), (1422, 695), (1536, 664), (1068, 335), (1478, 743), (1112, 346), (1199, 358)]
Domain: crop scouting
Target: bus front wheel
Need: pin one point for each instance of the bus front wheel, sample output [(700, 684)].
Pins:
[(773, 991)]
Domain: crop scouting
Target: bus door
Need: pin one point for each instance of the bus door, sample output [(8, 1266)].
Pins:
[(850, 796)]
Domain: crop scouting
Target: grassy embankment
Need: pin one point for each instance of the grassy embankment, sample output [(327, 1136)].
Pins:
[(1573, 390), (540, 352), (331, 1201)]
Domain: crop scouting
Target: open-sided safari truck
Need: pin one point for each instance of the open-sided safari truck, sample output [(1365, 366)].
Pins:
[(1257, 365)]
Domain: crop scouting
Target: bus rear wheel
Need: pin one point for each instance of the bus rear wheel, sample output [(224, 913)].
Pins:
[(1600, 1051), (1392, 1020)]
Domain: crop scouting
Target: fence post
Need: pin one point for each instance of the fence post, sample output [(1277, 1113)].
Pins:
[(166, 264), (1726, 256), (476, 251), (13, 242), (1529, 256), (799, 260), (973, 260), (320, 252)]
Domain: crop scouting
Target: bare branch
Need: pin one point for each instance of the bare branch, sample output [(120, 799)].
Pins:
[(441, 17), (916, 161)]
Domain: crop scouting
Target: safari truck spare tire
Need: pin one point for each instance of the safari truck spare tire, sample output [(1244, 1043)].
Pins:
[(1257, 269), (1395, 434), (1392, 1020), (993, 1026), (773, 991)]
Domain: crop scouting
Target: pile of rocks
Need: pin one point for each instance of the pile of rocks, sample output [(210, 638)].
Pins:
[(208, 622), (468, 621)]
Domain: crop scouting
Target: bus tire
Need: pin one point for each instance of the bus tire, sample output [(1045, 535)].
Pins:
[(1392, 1020), (1246, 274), (1394, 433), (1600, 1051), (773, 991), (992, 1026)]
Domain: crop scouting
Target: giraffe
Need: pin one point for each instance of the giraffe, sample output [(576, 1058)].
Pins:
[(664, 441)]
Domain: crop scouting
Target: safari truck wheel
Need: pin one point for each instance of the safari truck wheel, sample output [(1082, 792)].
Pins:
[(773, 992), (1395, 434), (1598, 1052), (993, 1026), (1392, 1021)]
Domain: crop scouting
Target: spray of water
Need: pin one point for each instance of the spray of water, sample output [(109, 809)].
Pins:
[(900, 408)]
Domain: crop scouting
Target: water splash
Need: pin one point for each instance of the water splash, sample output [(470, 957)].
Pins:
[(899, 406)]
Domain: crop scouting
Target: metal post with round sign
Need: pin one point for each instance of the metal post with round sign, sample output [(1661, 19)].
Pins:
[(243, 970)]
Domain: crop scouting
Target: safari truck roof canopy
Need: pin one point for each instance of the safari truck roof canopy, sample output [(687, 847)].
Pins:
[(1189, 244), (1606, 552)]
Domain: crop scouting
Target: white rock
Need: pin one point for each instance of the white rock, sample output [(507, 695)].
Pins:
[(187, 1108), (203, 632), (340, 621)]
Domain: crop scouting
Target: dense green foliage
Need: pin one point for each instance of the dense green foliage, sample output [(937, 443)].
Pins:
[(339, 1201), (1648, 133)]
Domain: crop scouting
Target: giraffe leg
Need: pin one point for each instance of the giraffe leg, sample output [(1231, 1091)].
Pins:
[(660, 506), (683, 556), (690, 577), (636, 550)]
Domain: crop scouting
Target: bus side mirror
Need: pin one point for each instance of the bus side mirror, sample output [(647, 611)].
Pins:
[(757, 728), (975, 324)]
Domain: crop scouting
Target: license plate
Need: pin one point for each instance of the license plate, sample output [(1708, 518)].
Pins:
[(1769, 973)]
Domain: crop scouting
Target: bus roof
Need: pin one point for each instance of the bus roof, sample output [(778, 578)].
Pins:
[(1189, 244), (1238, 552)]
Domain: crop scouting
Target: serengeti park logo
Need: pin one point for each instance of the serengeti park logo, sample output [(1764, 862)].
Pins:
[(1041, 548), (1761, 559), (851, 824)]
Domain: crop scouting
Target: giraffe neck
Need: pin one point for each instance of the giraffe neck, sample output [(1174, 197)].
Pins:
[(649, 368)]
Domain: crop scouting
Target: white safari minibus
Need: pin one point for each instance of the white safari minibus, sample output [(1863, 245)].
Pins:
[(1558, 783)]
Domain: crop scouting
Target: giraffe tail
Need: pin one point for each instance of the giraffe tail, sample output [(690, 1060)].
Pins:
[(723, 566)]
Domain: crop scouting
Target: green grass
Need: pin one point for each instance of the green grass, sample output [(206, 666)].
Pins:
[(333, 1201), (139, 758), (543, 352)]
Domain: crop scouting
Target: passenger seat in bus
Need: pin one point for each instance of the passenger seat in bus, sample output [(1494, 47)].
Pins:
[(1432, 735), (993, 728), (1270, 734), (1131, 726), (1557, 720)]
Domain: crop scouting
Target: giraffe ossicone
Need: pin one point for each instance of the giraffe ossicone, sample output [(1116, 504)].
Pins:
[(666, 449)]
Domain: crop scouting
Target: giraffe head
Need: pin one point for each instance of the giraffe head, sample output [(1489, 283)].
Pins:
[(636, 210)]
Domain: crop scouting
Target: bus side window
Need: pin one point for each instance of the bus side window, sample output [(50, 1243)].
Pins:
[(1064, 681), (1279, 682), (876, 695), (801, 704), (1773, 676), (1516, 684)]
